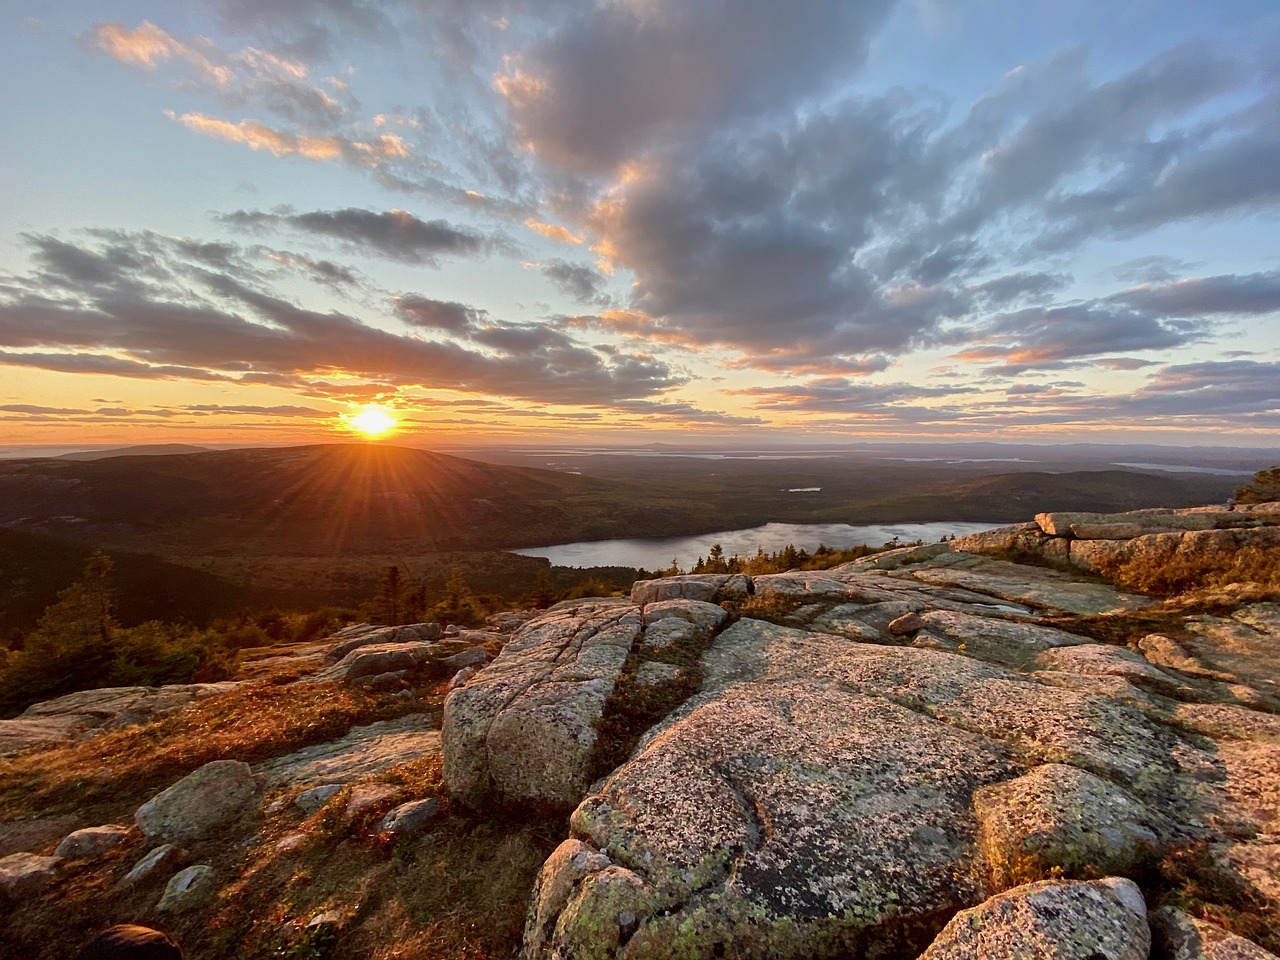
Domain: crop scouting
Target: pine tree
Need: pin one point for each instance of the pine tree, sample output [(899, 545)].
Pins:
[(388, 604)]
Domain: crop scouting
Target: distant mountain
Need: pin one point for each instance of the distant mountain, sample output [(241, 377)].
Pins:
[(142, 450), (322, 500)]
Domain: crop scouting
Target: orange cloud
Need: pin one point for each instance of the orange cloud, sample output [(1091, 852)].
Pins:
[(552, 231), (147, 45), (259, 136)]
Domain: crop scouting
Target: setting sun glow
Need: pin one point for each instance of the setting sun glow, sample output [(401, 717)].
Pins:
[(370, 421)]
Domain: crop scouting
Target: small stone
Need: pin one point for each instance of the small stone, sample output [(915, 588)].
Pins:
[(91, 841), (905, 624), (365, 796), (165, 855), (409, 818), (291, 842), (462, 676), (309, 801), (390, 682), (188, 889), (471, 657), (22, 874), (329, 919)]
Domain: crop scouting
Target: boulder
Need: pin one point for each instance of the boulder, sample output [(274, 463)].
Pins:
[(91, 841), (1178, 936), (1035, 587), (794, 797), (523, 729), (188, 889), (1060, 818), (471, 657), (377, 658), (709, 588), (1009, 642), (706, 617), (1051, 921), (1100, 660), (87, 712), (200, 803), (24, 874), (364, 635), (365, 797)]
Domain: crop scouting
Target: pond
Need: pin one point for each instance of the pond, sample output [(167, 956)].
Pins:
[(656, 553)]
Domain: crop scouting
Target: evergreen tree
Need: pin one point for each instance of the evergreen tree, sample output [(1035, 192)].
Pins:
[(388, 604), (1263, 488)]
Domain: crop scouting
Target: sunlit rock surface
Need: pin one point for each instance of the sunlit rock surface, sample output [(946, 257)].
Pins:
[(878, 759)]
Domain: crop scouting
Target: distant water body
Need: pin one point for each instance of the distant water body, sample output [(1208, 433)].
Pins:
[(656, 553)]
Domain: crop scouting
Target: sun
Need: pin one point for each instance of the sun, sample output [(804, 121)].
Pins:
[(372, 421)]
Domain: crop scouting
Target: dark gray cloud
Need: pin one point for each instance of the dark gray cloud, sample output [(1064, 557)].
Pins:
[(841, 395), (228, 327), (1255, 293), (620, 77), (394, 233), (1047, 338), (429, 314), (583, 283)]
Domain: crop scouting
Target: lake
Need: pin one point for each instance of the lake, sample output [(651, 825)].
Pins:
[(656, 553)]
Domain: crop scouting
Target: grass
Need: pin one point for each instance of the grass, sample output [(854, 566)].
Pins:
[(459, 890), (119, 770)]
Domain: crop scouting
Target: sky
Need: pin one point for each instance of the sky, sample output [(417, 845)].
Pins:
[(254, 221)]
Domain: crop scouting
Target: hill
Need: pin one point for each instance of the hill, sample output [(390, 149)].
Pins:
[(323, 500), (141, 450)]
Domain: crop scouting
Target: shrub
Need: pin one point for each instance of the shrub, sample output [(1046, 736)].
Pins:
[(1183, 572), (1263, 488)]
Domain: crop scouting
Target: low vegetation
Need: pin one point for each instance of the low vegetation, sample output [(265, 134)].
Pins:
[(1251, 573), (118, 770)]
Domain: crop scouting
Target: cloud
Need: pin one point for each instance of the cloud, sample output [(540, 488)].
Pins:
[(429, 314), (397, 234), (145, 46), (365, 154), (1047, 337), (844, 396), (310, 27), (1255, 293), (124, 315), (279, 84), (582, 283), (619, 77), (553, 231)]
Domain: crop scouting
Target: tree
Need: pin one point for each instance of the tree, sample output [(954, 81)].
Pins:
[(71, 647), (715, 560), (544, 592), (1263, 488), (389, 599)]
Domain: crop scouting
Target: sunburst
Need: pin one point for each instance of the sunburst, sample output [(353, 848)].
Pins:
[(373, 420)]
